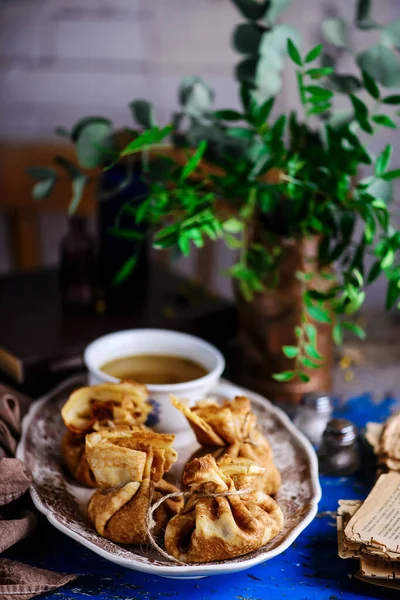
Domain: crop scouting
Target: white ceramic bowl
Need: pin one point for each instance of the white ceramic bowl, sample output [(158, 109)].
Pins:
[(159, 341)]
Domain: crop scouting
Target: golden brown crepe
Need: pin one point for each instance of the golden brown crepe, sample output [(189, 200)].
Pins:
[(230, 428), (101, 407), (221, 527), (120, 513), (116, 456), (73, 451), (106, 405)]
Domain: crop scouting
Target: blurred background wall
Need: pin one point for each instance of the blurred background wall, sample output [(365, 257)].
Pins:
[(63, 59)]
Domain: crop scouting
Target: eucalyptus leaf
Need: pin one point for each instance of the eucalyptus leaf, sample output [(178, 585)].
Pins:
[(344, 84), (92, 144), (195, 95), (382, 64), (390, 35), (143, 113), (82, 123), (42, 189), (277, 38), (251, 9), (247, 38), (78, 188), (40, 173), (334, 32), (62, 132), (276, 7), (363, 11)]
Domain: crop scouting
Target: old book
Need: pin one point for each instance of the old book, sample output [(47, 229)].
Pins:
[(377, 522), (346, 510), (371, 566), (386, 583)]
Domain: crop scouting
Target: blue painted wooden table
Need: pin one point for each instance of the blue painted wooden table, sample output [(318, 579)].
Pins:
[(309, 569)]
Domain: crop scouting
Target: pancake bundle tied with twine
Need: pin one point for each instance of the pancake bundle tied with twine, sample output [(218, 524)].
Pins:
[(224, 509)]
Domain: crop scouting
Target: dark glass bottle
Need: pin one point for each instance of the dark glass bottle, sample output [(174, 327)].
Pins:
[(117, 188), (77, 264)]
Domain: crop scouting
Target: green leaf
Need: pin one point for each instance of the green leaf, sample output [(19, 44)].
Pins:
[(337, 334), (391, 34), (354, 328), (40, 173), (344, 84), (383, 161), (311, 333), (314, 53), (194, 160), (394, 99), (93, 143), (228, 115), (335, 32), (385, 121), (146, 140), (390, 175), (312, 352), (195, 96), (247, 38), (275, 9), (78, 187), (382, 64), (232, 242), (319, 73), (298, 331), (303, 377), (388, 259), (265, 111), (251, 9), (62, 132), (319, 93), (363, 10), (360, 109), (143, 113), (240, 132), (290, 351), (371, 86), (232, 225), (284, 376), (125, 234), (42, 189), (125, 270), (82, 123), (318, 314), (307, 362), (392, 294), (294, 53), (70, 168), (374, 273), (355, 304)]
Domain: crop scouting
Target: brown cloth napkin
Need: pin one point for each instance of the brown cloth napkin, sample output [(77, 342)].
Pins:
[(17, 581)]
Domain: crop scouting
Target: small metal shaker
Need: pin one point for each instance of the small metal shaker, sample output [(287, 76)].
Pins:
[(313, 414), (339, 454)]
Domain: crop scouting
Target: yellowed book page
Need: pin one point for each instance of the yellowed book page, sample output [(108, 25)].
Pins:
[(377, 522), (386, 583), (373, 436), (346, 509), (381, 569)]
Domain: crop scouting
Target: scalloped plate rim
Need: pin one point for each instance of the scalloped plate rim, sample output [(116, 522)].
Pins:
[(187, 571)]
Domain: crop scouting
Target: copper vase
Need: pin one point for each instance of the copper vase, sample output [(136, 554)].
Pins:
[(268, 322)]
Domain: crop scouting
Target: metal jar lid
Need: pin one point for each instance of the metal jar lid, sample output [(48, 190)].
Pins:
[(340, 432), (320, 401)]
